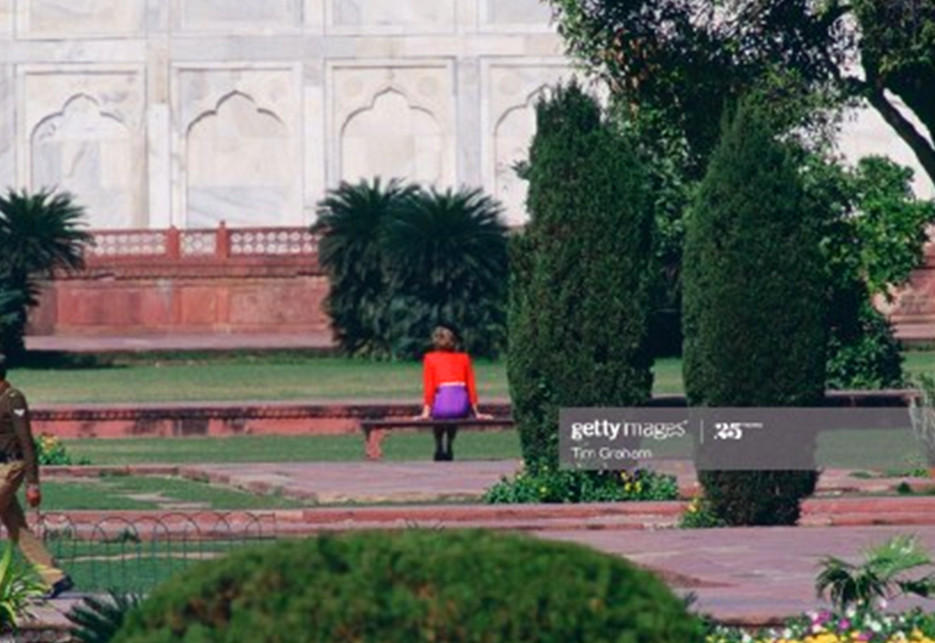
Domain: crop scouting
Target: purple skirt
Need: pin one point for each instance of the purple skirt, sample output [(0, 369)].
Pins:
[(451, 402)]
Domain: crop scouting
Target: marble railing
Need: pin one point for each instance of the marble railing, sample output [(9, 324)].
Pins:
[(219, 244)]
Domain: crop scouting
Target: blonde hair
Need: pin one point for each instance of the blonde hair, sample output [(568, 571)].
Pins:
[(443, 339)]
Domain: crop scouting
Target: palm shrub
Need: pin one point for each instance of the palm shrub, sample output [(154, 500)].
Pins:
[(582, 273), (350, 220), (446, 260), (19, 585), (13, 307), (97, 619), (416, 585), (753, 314), (39, 233), (883, 574), (402, 259)]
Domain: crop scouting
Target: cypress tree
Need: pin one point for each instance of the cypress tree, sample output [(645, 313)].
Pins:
[(753, 306), (580, 274)]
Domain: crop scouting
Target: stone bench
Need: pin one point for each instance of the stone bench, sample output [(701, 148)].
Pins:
[(376, 430)]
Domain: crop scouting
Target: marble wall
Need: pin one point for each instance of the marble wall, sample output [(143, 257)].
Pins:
[(190, 112)]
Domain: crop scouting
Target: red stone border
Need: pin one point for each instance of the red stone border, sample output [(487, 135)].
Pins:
[(184, 420), (295, 418)]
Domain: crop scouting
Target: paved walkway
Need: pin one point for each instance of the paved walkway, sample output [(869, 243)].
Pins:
[(745, 575), (385, 481)]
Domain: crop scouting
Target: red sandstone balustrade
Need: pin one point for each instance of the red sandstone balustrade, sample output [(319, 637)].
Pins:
[(222, 280)]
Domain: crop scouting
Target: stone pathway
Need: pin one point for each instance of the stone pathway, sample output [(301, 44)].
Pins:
[(749, 575), (363, 482)]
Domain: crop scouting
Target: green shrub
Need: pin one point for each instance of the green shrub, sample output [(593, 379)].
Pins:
[(882, 574), (582, 274), (561, 485), (51, 451), (446, 260), (19, 586), (757, 497), (699, 515), (406, 587), (401, 260), (874, 232), (39, 233), (863, 352), (350, 220), (96, 619), (754, 325)]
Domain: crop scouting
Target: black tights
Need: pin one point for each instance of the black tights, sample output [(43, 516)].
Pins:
[(443, 451)]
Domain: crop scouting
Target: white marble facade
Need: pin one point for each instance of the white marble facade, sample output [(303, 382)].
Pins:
[(190, 112)]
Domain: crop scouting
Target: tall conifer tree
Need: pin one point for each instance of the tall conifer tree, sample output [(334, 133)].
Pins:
[(753, 306), (582, 273)]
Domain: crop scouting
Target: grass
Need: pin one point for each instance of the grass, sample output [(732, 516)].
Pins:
[(278, 376), (919, 363), (472, 445), (133, 566), (274, 378), (136, 492)]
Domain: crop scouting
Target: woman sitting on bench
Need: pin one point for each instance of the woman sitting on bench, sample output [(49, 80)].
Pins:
[(450, 392)]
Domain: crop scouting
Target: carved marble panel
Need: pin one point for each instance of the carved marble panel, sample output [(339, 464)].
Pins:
[(376, 16), (532, 13), (243, 14), (80, 18), (511, 92), (394, 122), (7, 19), (8, 109), (240, 147), (82, 132)]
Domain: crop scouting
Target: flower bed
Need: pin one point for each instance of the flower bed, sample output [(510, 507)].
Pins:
[(851, 626)]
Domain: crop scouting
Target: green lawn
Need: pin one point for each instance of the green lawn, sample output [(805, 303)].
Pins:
[(133, 566), (276, 378), (136, 492), (324, 378), (470, 445)]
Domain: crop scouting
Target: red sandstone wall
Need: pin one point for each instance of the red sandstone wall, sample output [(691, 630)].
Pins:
[(217, 281), (258, 281), (913, 312)]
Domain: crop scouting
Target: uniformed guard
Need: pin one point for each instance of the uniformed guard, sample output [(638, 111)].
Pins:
[(18, 461)]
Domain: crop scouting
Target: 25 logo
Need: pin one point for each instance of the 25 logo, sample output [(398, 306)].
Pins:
[(728, 431)]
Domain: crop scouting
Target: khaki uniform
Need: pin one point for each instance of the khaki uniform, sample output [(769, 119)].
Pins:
[(18, 462)]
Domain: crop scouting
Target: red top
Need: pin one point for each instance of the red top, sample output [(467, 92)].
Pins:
[(440, 367)]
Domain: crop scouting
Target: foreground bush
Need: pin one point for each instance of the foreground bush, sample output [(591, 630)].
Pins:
[(406, 587)]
